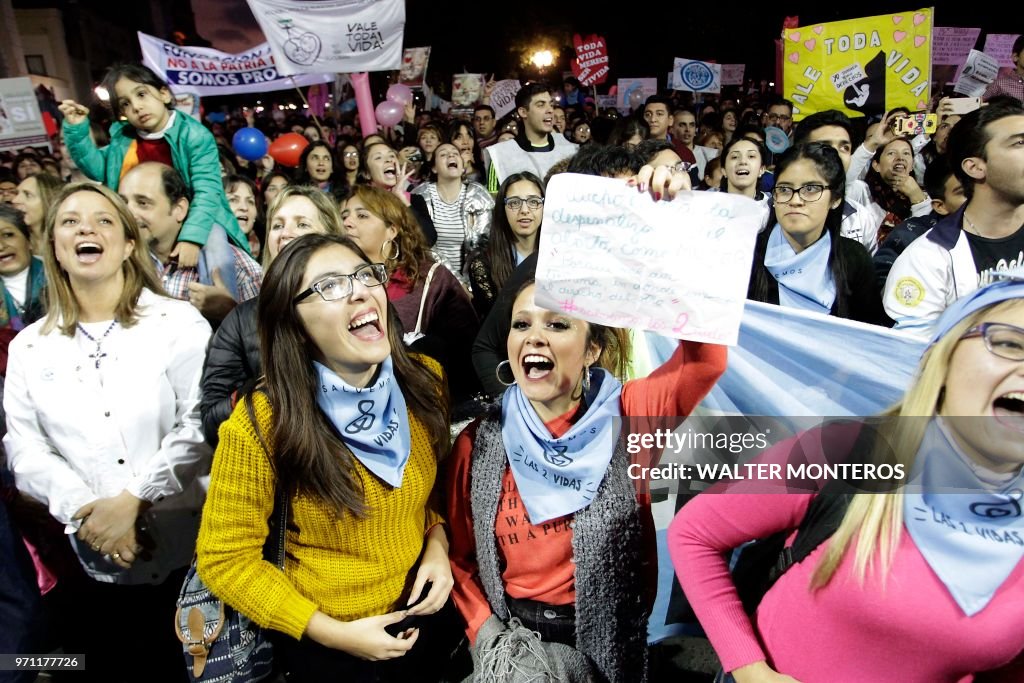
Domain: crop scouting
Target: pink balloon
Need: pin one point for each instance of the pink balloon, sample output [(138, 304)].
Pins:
[(364, 103), (389, 113), (401, 93)]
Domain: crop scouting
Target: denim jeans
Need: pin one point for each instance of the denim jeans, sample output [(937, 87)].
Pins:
[(554, 623)]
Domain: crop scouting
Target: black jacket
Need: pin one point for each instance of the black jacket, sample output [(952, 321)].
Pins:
[(232, 366), (863, 302), (897, 241)]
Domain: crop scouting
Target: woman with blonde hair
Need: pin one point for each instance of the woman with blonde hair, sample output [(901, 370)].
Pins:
[(233, 361), (103, 427), (436, 314), (939, 558)]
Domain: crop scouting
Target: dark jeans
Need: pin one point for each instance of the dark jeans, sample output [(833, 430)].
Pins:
[(431, 658), (126, 632), (554, 623)]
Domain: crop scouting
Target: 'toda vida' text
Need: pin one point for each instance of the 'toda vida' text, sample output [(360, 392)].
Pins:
[(364, 37)]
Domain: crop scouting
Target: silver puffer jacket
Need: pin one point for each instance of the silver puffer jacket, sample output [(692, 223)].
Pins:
[(477, 205)]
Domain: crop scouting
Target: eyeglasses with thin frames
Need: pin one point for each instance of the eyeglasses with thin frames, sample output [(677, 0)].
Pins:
[(334, 287), (516, 203), (810, 192), (1001, 339)]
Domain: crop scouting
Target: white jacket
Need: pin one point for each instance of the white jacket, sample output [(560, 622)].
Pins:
[(76, 433), (935, 270)]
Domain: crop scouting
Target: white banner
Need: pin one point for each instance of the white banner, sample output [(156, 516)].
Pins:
[(21, 124), (206, 72), (343, 36), (614, 256), (694, 76)]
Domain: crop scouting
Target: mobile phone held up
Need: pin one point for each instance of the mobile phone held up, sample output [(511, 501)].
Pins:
[(961, 105), (412, 620), (916, 124)]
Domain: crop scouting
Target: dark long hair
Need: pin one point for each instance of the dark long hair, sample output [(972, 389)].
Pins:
[(830, 166), (308, 455), (889, 199), (302, 177), (501, 249)]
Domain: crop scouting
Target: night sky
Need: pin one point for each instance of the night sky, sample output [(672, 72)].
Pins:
[(464, 38)]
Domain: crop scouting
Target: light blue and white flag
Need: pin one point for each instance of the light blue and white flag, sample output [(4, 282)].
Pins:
[(791, 363)]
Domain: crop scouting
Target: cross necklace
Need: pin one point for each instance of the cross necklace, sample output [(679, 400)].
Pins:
[(98, 354)]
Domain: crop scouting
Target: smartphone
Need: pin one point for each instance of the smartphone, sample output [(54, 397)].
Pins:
[(962, 105), (916, 124), (412, 620)]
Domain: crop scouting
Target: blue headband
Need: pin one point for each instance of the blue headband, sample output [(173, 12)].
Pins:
[(1010, 286)]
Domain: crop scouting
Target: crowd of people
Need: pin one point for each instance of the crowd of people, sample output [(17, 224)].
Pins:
[(187, 337)]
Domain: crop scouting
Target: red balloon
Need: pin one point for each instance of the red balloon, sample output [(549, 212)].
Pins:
[(287, 149)]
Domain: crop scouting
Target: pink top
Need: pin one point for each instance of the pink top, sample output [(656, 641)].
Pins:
[(911, 631)]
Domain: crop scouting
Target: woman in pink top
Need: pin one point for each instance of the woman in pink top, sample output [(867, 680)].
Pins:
[(915, 586)]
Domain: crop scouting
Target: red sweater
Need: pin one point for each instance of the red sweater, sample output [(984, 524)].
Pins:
[(537, 559)]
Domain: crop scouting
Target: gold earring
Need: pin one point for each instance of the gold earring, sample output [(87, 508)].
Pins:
[(397, 250)]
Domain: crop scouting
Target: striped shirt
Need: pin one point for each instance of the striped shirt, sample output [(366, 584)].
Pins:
[(449, 223)]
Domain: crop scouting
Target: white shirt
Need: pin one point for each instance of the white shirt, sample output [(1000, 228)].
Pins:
[(76, 433), (17, 286)]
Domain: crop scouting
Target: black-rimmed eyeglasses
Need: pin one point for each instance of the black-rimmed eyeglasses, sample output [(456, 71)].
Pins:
[(1001, 339), (516, 203), (334, 287), (809, 193)]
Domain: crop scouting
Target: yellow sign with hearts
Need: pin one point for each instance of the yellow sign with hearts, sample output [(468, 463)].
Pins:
[(860, 66)]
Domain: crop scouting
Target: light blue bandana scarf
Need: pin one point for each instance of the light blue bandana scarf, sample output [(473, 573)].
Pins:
[(805, 280), (972, 539), (557, 477), (372, 421)]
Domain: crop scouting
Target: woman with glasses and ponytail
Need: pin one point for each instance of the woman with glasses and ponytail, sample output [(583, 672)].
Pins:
[(937, 559), (801, 261), (350, 428), (434, 309)]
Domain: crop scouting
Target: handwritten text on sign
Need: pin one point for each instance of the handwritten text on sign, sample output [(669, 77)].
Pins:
[(611, 255)]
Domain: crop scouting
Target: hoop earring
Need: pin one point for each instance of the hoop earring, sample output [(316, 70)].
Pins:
[(398, 250), (497, 373), (586, 379)]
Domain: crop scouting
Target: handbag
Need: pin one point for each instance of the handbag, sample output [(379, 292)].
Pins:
[(220, 644)]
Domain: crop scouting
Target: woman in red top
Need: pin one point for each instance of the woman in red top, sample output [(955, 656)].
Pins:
[(547, 534)]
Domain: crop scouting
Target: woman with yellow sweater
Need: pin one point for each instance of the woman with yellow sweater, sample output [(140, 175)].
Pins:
[(347, 424)]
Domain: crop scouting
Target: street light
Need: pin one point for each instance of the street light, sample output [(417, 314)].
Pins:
[(542, 59)]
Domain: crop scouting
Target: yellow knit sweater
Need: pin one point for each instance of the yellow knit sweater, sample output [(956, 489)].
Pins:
[(347, 569)]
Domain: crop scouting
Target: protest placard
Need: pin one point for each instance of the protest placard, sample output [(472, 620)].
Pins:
[(632, 92), (21, 124), (696, 76), (503, 97), (206, 72), (999, 46), (894, 51), (467, 89), (332, 36), (732, 74), (591, 63), (979, 70), (951, 44), (611, 255), (414, 66)]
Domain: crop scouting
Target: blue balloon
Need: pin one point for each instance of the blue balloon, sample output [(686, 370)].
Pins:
[(250, 144)]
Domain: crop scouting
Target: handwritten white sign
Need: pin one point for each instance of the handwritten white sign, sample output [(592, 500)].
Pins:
[(613, 256)]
